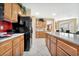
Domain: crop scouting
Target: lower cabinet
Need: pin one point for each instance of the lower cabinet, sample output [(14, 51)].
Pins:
[(16, 50), (60, 52), (71, 50), (53, 46), (59, 47), (40, 34), (8, 53), (6, 48), (53, 49), (18, 46), (21, 47), (12, 47), (48, 42)]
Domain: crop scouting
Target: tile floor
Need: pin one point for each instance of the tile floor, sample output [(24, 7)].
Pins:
[(38, 48)]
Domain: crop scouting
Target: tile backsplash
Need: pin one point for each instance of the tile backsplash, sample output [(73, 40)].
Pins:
[(4, 26)]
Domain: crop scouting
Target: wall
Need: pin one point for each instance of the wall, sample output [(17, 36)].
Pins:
[(7, 11)]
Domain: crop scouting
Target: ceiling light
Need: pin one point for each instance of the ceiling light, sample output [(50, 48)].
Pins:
[(37, 13), (54, 14)]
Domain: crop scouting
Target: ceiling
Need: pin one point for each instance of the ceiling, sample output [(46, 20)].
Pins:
[(58, 11)]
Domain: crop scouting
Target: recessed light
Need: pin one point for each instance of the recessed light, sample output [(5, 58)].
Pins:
[(37, 13), (54, 14)]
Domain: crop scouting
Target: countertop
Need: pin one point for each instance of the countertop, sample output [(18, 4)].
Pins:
[(73, 38), (9, 38)]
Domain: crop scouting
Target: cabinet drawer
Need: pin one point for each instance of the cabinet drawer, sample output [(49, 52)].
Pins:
[(5, 46), (60, 52), (67, 48)]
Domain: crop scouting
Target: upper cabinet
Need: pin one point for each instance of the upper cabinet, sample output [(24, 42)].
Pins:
[(10, 11), (15, 11), (7, 11)]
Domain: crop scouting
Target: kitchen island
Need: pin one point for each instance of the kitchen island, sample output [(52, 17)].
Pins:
[(62, 44), (12, 46)]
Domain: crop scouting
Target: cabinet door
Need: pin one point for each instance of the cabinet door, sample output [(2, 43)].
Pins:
[(8, 53), (22, 47), (49, 42), (14, 12), (60, 52), (53, 49), (5, 46), (67, 48), (46, 39), (53, 46), (7, 10), (16, 50)]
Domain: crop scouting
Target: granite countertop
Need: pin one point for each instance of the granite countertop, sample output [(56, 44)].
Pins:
[(11, 37), (73, 38)]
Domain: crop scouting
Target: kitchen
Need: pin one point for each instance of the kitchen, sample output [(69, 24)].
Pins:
[(27, 28)]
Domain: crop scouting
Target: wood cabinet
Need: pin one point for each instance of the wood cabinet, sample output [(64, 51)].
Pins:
[(16, 50), (8, 53), (60, 47), (67, 48), (48, 42), (15, 12), (18, 46), (22, 47), (5, 47), (12, 47), (60, 52), (40, 34), (53, 46), (11, 11), (7, 10)]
